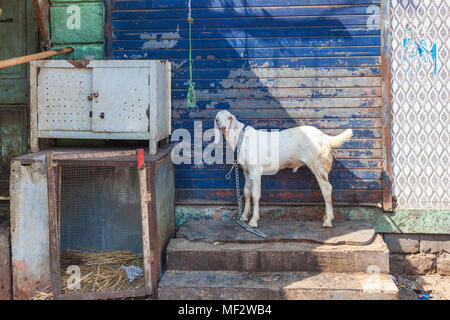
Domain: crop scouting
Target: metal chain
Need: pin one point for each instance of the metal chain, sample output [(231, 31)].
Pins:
[(238, 189)]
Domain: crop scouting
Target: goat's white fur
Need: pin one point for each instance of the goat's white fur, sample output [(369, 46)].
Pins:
[(298, 146)]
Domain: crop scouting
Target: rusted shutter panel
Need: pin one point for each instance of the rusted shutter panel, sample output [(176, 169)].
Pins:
[(275, 64)]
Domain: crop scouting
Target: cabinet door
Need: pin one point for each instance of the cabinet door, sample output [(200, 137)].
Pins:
[(121, 99), (63, 99)]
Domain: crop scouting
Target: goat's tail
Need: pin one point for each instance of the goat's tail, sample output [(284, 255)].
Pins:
[(338, 140)]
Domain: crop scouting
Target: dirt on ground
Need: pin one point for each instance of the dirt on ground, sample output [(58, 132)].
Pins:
[(423, 287)]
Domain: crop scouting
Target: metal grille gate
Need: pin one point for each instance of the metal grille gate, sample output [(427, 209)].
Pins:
[(275, 65), (420, 113)]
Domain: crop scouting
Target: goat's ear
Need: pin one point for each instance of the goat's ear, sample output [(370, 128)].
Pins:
[(216, 132), (232, 120)]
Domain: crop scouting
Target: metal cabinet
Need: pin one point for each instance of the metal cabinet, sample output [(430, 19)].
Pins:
[(100, 100)]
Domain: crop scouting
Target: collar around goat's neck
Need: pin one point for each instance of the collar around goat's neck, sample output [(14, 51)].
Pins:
[(240, 137)]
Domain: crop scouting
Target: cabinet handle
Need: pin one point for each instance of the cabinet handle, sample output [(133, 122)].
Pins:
[(89, 97), (95, 94), (102, 115)]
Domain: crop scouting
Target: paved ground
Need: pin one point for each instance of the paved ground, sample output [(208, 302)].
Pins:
[(413, 287)]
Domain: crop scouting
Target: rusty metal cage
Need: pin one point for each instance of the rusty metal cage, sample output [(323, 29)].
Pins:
[(103, 235)]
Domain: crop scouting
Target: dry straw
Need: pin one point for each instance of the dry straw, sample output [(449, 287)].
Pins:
[(100, 271)]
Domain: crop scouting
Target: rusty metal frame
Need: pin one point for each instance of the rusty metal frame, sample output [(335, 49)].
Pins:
[(146, 174), (387, 202)]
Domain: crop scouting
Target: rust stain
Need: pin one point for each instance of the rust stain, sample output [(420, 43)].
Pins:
[(24, 288), (79, 63), (218, 215)]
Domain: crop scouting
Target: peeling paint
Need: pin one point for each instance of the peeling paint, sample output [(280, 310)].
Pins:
[(211, 105), (161, 44)]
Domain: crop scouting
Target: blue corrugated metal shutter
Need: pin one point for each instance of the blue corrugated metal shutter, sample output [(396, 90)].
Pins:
[(275, 64)]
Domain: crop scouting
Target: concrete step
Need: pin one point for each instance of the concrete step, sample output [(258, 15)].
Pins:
[(231, 285), (183, 254)]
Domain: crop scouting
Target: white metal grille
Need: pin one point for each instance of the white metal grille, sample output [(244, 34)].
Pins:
[(420, 109)]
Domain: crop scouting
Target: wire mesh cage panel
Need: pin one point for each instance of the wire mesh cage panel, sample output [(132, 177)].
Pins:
[(100, 244), (100, 228)]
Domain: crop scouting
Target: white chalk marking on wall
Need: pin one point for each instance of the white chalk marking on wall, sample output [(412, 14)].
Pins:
[(74, 20), (373, 21)]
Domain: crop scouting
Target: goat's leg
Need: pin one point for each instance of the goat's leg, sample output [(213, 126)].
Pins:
[(256, 194), (247, 194), (326, 188)]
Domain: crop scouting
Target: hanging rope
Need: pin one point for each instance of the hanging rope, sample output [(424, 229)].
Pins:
[(191, 99)]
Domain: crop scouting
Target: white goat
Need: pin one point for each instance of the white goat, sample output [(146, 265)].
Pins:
[(293, 148)]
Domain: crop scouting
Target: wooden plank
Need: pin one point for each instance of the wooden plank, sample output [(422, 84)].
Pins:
[(149, 256), (249, 42), (337, 164), (215, 33), (303, 173), (373, 133), (156, 267), (271, 184), (280, 93), (172, 4), (345, 82), (262, 73), (388, 204), (54, 227), (353, 149), (294, 113), (41, 9), (274, 12), (295, 62), (87, 155), (278, 196), (289, 123), (37, 56), (350, 144), (242, 22), (283, 103), (240, 53)]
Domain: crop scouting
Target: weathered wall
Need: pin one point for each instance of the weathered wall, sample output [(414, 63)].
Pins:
[(18, 37), (29, 229), (78, 24), (420, 113), (5, 262), (418, 253)]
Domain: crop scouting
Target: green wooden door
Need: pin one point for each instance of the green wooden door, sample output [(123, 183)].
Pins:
[(18, 37)]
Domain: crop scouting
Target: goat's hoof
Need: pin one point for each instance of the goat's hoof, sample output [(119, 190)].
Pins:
[(253, 224), (327, 224), (243, 218)]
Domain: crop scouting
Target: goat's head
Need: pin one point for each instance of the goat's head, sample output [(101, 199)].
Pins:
[(225, 122)]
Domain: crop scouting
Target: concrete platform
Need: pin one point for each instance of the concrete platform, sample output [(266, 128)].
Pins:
[(183, 254), (343, 232), (229, 285), (298, 260)]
